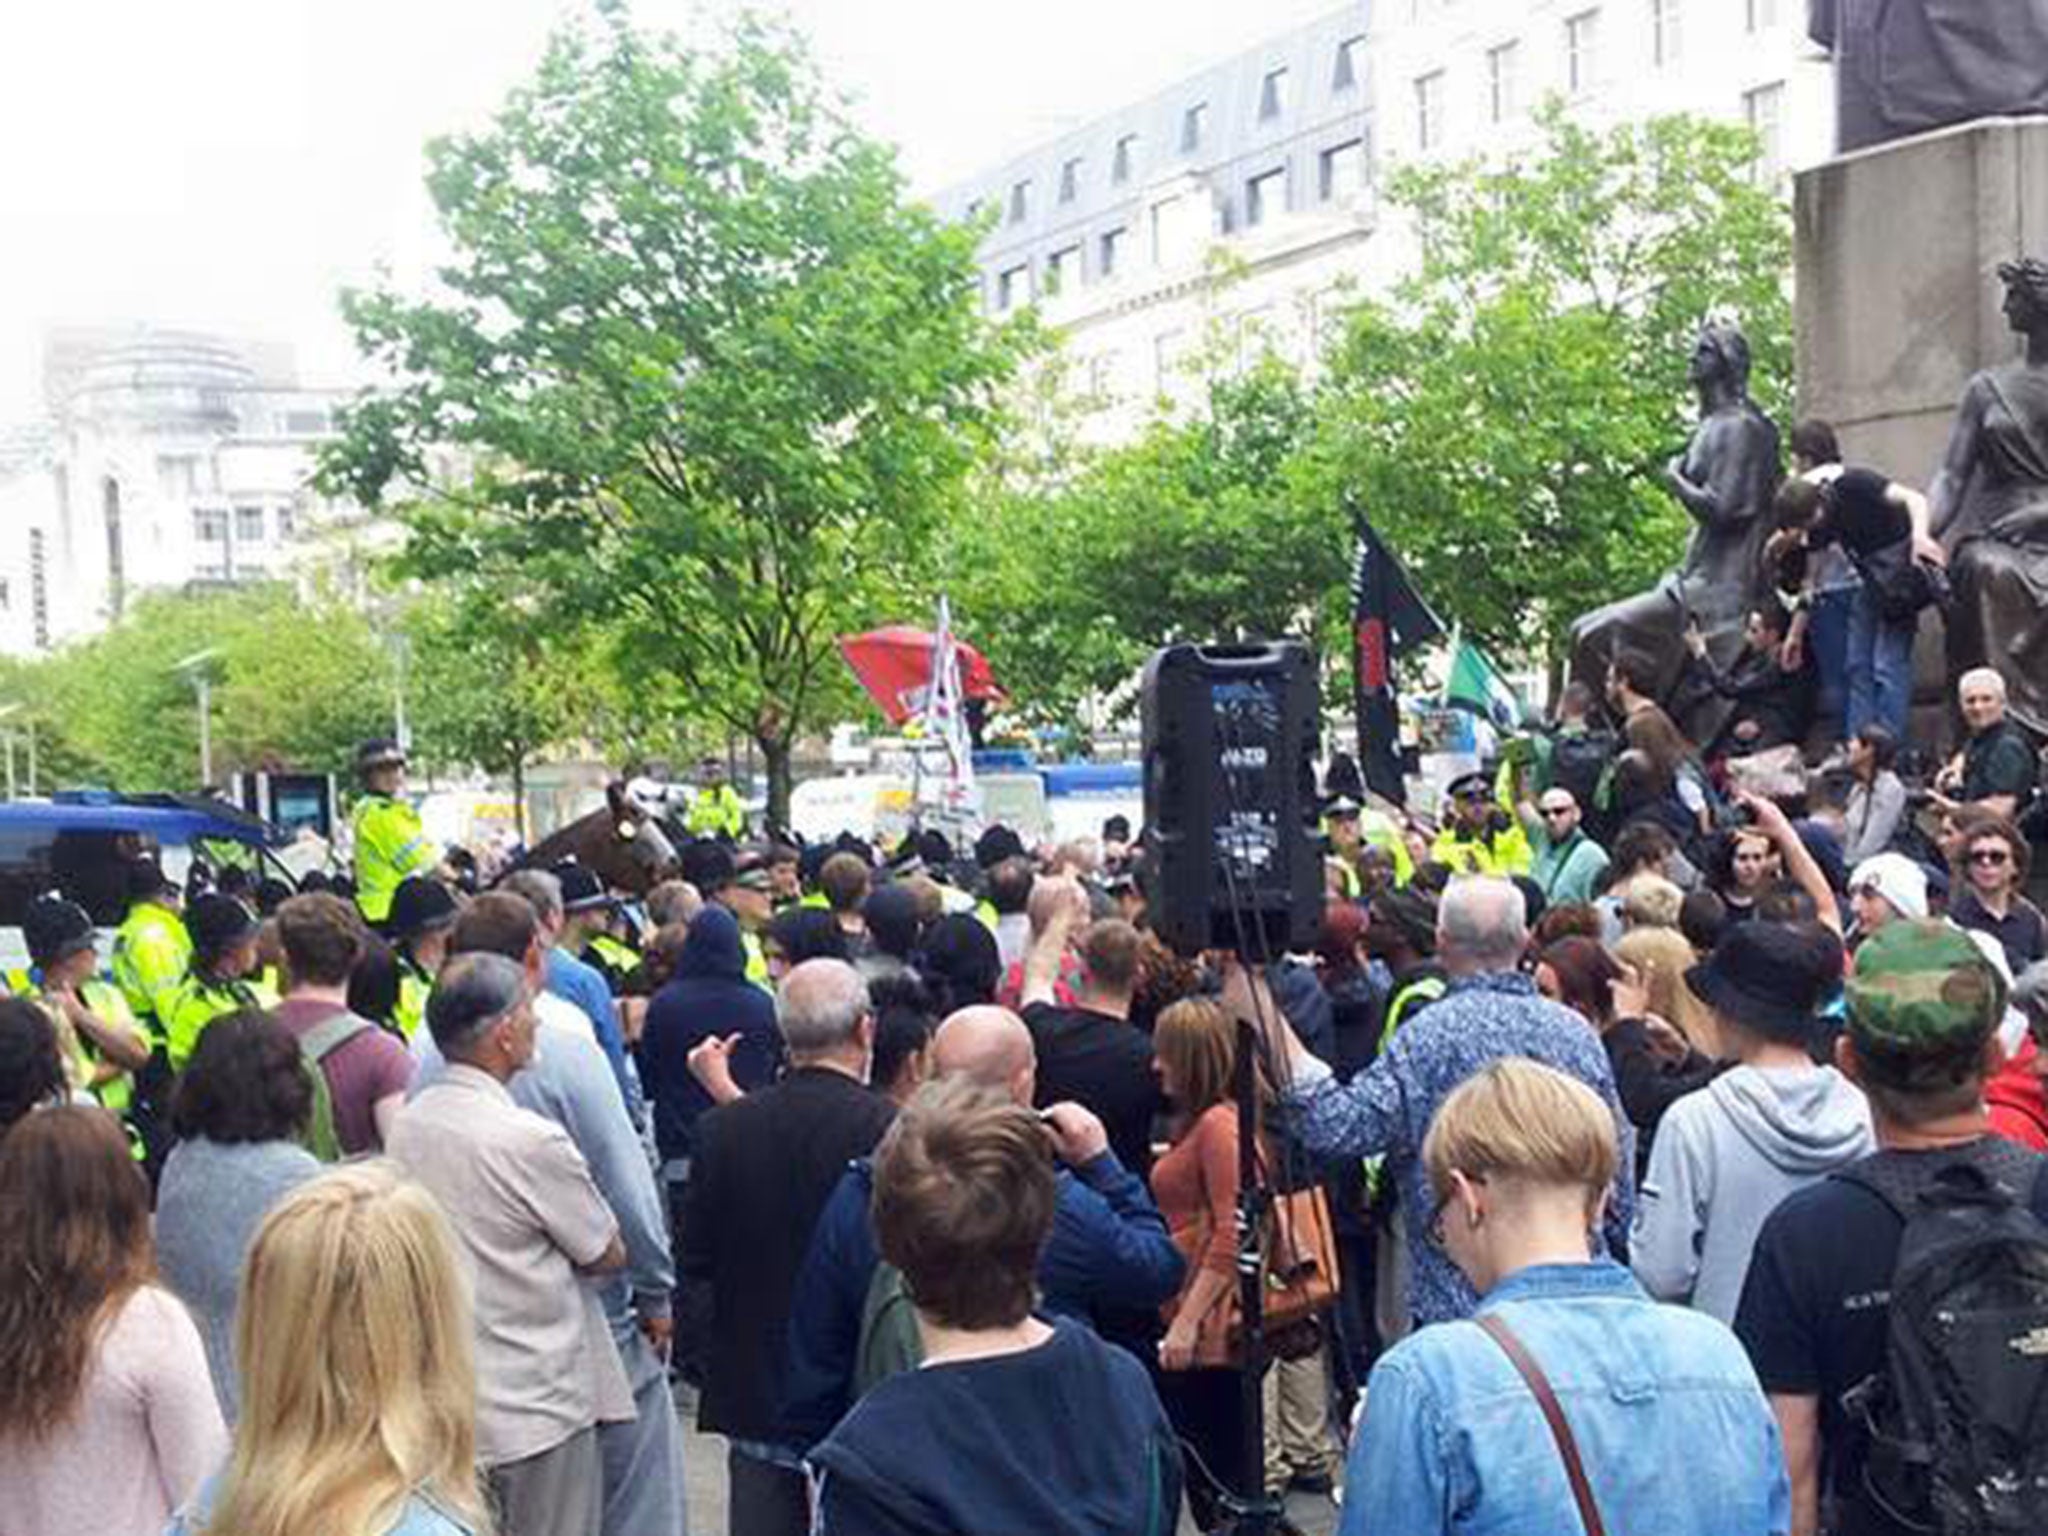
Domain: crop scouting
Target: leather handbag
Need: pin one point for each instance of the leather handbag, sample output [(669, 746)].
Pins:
[(1553, 1415), (1300, 1251)]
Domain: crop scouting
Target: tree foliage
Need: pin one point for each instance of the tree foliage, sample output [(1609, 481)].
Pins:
[(297, 683), (718, 382), (1502, 415)]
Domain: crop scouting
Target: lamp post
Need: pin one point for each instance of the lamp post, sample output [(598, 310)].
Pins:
[(197, 669)]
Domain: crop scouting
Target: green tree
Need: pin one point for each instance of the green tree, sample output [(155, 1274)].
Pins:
[(1503, 415), (298, 681), (719, 382), (1191, 532)]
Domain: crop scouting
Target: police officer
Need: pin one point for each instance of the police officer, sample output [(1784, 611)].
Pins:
[(96, 1032), (152, 950), (422, 914), (716, 811), (1480, 837), (390, 841), (220, 980)]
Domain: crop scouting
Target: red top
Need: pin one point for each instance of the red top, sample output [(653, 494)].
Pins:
[(2018, 1103)]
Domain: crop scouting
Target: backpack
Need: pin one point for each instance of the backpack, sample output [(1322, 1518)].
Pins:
[(1578, 762), (889, 1341), (316, 1045), (1958, 1416)]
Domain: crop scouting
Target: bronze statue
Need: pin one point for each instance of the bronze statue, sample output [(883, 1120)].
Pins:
[(1725, 478), (1908, 66), (1989, 503)]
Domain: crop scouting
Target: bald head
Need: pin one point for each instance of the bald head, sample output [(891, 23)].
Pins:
[(989, 1047), (1051, 896), (1481, 925)]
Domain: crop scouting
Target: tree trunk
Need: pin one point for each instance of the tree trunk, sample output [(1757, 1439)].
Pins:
[(776, 753), (519, 795)]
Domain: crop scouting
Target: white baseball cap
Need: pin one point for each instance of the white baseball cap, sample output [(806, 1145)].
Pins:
[(1898, 880)]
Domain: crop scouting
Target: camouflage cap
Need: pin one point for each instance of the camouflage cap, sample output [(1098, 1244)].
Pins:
[(1923, 987)]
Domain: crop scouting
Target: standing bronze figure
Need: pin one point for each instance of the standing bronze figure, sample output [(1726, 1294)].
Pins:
[(1990, 509)]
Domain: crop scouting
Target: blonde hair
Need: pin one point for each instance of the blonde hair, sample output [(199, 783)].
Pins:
[(1661, 957), (1519, 1120), (354, 1345), (1651, 901)]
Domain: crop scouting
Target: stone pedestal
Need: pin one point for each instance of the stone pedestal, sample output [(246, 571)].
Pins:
[(1898, 300)]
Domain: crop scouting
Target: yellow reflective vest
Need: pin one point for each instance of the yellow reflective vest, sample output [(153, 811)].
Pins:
[(198, 1001), (716, 813), (391, 843), (152, 953)]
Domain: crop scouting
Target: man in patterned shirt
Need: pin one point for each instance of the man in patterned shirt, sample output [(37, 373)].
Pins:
[(1490, 1010)]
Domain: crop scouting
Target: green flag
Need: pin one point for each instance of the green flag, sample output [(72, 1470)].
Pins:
[(1476, 684)]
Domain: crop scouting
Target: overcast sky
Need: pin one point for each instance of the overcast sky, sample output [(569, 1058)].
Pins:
[(228, 164)]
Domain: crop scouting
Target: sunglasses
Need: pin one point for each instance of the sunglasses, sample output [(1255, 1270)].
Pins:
[(1552, 812), (1990, 856)]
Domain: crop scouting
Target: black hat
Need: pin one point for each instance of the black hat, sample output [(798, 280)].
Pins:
[(146, 878), (934, 848), (55, 929), (1466, 783), (995, 845), (582, 891), (750, 865), (379, 752), (420, 905), (1771, 977), (217, 923)]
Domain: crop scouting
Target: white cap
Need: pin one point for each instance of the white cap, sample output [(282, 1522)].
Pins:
[(1898, 880)]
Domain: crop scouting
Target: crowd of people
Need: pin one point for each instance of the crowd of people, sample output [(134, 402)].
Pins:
[(1645, 1112)]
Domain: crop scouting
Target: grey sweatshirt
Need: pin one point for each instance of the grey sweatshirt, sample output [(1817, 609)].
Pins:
[(1723, 1159)]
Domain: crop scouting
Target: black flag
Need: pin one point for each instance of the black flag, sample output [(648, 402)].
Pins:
[(1387, 618)]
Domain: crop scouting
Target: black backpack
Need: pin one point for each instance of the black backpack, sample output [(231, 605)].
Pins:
[(1958, 1416), (1578, 759)]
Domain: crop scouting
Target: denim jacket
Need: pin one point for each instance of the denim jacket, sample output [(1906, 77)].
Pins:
[(421, 1516), (1676, 1435)]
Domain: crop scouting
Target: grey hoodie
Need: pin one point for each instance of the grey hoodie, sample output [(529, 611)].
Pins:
[(1723, 1159)]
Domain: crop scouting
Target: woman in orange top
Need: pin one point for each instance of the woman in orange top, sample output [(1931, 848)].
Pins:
[(1194, 1048)]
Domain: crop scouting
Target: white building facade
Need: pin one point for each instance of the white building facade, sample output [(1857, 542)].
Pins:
[(1236, 210), (169, 459)]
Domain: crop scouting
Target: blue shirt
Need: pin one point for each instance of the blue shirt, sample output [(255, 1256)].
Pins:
[(584, 985), (1387, 1108), (420, 1516), (1676, 1436)]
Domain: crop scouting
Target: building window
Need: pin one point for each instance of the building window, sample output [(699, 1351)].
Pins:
[(1192, 122), (1500, 82), (1764, 110), (1165, 212), (1070, 180), (1013, 286), (1580, 35), (210, 525), (1126, 152), (1763, 15), (1349, 53), (1109, 251), (1265, 196), (1667, 37), (1342, 171), (287, 523), (1063, 269), (1429, 110), (1273, 94), (1020, 201), (248, 525)]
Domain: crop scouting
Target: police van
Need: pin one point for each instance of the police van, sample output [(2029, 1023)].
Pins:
[(81, 843)]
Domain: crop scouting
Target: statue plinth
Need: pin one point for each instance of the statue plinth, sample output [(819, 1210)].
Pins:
[(1899, 304), (1898, 301)]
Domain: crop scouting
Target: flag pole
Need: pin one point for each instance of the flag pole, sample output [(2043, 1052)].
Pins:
[(1443, 698)]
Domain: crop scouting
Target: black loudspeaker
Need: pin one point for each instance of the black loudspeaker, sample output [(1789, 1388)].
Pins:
[(1230, 802)]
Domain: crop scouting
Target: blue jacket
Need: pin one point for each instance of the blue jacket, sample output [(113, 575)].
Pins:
[(1109, 1248), (708, 995), (584, 985), (1676, 1436)]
